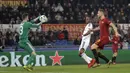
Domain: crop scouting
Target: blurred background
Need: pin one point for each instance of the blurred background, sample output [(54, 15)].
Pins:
[(66, 21)]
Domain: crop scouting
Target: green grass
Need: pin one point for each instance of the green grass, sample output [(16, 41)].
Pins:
[(119, 68)]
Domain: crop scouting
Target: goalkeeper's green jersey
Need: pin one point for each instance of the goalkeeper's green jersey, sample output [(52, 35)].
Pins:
[(24, 30)]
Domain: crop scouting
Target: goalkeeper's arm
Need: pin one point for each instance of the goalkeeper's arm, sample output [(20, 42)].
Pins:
[(37, 25), (34, 20)]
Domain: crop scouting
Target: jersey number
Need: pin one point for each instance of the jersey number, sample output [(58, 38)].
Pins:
[(21, 30)]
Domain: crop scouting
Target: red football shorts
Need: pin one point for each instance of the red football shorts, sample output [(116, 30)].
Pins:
[(115, 42), (102, 41), (115, 48)]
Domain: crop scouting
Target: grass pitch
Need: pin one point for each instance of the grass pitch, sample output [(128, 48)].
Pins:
[(118, 68)]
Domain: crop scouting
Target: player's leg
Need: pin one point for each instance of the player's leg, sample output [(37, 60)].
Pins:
[(82, 50), (94, 48), (83, 46), (99, 44), (100, 55), (115, 52), (29, 65), (32, 53), (114, 58), (29, 48), (115, 42), (95, 53)]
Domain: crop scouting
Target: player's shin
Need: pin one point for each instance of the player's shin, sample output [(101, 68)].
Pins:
[(114, 57), (95, 55), (86, 58), (31, 60), (103, 57)]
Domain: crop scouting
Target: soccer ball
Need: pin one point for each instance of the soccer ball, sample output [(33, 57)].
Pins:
[(43, 18)]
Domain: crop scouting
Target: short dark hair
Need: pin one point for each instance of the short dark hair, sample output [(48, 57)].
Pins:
[(24, 15)]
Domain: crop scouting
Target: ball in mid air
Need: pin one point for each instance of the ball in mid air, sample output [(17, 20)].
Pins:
[(43, 18)]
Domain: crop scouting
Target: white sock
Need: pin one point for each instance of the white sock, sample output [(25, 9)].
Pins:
[(89, 58), (86, 58)]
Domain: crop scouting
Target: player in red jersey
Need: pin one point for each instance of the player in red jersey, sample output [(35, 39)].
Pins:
[(115, 41), (104, 25)]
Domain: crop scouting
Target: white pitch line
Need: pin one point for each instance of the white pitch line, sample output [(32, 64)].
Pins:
[(35, 72), (3, 71)]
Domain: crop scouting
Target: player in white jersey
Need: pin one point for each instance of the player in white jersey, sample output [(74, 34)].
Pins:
[(85, 43)]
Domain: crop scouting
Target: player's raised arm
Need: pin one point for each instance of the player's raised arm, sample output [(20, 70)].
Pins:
[(37, 25), (92, 30), (95, 29), (34, 20), (42, 18), (115, 29)]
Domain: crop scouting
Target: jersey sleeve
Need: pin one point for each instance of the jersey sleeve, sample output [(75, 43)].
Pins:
[(35, 25), (32, 25), (32, 21)]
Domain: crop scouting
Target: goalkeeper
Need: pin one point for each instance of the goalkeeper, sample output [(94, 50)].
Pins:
[(23, 38)]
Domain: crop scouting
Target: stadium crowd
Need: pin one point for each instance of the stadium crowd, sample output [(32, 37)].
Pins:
[(61, 11), (9, 37), (67, 11)]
